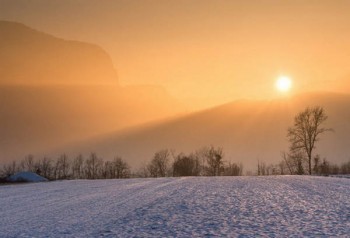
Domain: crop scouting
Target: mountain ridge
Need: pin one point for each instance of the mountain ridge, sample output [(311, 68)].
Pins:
[(52, 92), (31, 56)]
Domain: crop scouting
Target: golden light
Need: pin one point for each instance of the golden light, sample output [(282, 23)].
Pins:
[(283, 83)]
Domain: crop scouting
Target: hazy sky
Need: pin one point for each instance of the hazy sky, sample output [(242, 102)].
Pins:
[(207, 51)]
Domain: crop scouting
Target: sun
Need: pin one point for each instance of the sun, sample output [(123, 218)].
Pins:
[(283, 84)]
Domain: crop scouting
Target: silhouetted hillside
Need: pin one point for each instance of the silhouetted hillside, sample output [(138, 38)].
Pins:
[(248, 130), (28, 56), (53, 91)]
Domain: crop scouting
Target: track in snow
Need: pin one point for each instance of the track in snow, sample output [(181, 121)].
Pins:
[(217, 206)]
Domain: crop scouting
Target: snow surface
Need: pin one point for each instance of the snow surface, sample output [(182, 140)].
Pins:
[(281, 206), (26, 177)]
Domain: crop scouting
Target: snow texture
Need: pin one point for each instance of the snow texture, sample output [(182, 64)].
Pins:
[(280, 206), (26, 177)]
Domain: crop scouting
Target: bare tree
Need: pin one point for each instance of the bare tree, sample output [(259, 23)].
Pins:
[(62, 167), (233, 169), (262, 168), (282, 167), (107, 171), (152, 169), (158, 166), (120, 168), (28, 163), (44, 167), (201, 158), (78, 167), (325, 167), (186, 165), (9, 169), (143, 171), (317, 164), (93, 166), (306, 132), (295, 161), (345, 168), (214, 158)]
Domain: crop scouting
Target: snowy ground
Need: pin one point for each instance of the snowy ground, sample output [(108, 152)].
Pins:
[(184, 207)]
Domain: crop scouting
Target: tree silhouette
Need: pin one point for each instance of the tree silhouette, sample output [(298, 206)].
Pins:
[(120, 168), (185, 165), (214, 157), (159, 164), (78, 167), (306, 132), (93, 166)]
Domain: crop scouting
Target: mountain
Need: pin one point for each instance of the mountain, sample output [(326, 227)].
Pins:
[(28, 56), (53, 91), (61, 96), (247, 130)]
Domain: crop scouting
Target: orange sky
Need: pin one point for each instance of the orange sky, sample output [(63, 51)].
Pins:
[(207, 52)]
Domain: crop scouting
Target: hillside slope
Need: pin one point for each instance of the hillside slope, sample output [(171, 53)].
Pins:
[(247, 130)]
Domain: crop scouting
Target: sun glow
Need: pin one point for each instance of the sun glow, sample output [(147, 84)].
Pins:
[(283, 83)]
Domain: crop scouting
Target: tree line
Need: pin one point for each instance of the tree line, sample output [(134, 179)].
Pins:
[(208, 161), (92, 167), (320, 167)]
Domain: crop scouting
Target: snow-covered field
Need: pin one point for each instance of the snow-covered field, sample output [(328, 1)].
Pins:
[(184, 207)]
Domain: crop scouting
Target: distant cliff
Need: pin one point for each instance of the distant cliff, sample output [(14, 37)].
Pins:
[(54, 91), (28, 56)]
